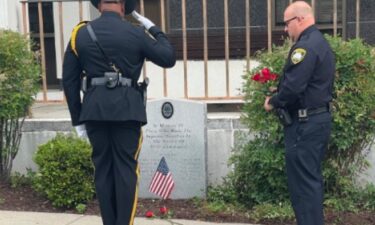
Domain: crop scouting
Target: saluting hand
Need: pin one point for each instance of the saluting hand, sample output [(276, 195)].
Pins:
[(143, 20)]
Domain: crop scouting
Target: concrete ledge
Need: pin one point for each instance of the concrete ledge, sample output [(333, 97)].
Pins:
[(215, 121), (32, 125), (223, 130)]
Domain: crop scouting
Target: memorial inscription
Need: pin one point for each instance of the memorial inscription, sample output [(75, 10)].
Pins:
[(176, 129)]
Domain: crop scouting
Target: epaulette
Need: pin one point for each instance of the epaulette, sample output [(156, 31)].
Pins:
[(74, 36)]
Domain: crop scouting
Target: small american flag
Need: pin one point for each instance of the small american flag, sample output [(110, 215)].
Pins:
[(162, 182)]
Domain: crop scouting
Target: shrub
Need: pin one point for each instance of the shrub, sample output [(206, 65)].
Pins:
[(19, 76), (259, 176), (20, 180), (281, 212), (259, 173), (65, 171), (81, 208), (222, 194), (354, 127)]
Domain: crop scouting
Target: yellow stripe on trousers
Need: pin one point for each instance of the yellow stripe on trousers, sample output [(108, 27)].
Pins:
[(137, 172)]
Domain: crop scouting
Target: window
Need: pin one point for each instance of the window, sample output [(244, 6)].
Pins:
[(215, 16), (34, 18), (49, 38)]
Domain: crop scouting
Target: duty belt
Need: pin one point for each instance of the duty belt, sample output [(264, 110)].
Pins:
[(303, 114), (98, 81), (319, 110)]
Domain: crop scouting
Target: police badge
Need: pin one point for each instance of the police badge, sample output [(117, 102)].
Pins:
[(298, 55)]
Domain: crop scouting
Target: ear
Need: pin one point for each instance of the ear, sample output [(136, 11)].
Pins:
[(123, 7)]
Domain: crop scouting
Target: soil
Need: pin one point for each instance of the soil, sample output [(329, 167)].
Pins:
[(26, 199)]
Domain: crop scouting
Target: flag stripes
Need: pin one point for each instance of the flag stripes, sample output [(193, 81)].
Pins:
[(162, 182)]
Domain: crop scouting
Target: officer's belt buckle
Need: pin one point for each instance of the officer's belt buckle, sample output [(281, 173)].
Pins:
[(303, 115), (112, 79)]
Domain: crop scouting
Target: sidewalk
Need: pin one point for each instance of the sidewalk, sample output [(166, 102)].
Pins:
[(36, 218)]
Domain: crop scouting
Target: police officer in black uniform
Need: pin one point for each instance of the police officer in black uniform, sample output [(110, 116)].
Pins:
[(303, 103), (109, 53)]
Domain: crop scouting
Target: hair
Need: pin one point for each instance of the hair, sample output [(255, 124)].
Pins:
[(301, 8)]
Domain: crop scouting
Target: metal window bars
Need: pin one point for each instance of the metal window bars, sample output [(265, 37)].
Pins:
[(208, 82)]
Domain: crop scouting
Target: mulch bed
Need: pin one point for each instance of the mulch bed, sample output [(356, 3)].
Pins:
[(26, 199)]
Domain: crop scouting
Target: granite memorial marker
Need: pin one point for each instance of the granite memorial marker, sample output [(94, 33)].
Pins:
[(176, 129)]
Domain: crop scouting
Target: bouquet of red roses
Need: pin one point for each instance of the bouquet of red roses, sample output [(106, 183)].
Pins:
[(266, 79)]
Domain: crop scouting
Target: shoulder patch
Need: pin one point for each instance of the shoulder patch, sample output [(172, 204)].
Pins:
[(298, 55), (74, 36)]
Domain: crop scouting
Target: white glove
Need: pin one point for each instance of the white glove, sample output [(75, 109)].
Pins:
[(81, 131), (143, 20)]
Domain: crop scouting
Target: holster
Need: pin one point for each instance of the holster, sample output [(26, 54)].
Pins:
[(142, 87), (84, 84), (284, 116)]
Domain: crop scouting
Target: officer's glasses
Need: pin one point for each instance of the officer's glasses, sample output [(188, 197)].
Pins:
[(286, 22)]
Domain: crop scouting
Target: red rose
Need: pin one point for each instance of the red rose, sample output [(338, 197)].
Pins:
[(149, 214), (163, 210), (273, 76), (263, 79), (264, 76), (267, 75), (266, 72), (256, 77)]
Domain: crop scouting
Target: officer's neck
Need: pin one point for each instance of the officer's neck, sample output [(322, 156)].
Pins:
[(112, 8), (305, 31)]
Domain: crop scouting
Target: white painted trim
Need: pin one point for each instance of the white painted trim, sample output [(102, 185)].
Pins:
[(4, 14)]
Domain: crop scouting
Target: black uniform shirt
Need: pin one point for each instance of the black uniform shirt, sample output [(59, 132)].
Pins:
[(308, 74), (127, 46)]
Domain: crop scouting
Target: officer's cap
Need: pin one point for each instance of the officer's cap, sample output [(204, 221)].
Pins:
[(129, 4)]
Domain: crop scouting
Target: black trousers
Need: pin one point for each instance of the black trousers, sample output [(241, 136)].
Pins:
[(116, 147), (305, 144)]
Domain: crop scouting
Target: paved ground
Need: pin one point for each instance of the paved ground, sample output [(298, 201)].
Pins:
[(50, 111), (35, 218)]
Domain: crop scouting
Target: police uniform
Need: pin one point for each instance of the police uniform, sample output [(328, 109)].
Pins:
[(113, 116), (305, 92)]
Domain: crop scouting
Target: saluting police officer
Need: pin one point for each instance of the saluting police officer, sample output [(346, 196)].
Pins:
[(303, 101), (108, 53)]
